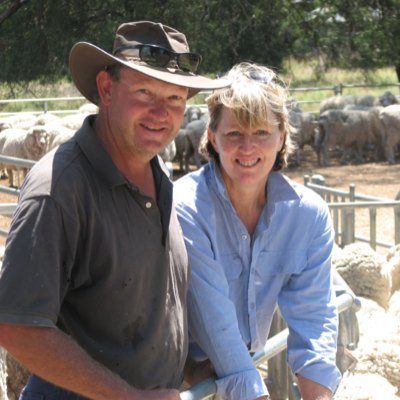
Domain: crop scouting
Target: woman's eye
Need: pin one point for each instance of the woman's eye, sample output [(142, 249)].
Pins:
[(261, 133), (233, 134)]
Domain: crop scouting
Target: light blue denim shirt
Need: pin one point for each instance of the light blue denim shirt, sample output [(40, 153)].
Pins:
[(237, 280)]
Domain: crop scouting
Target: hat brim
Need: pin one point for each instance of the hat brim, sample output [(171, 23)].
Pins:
[(87, 60)]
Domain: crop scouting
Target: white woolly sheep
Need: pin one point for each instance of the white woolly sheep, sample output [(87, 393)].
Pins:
[(394, 305), (73, 121), (88, 108), (393, 260), (339, 102), (378, 350), (21, 120), (58, 134), (46, 118), (31, 145), (365, 387), (365, 271)]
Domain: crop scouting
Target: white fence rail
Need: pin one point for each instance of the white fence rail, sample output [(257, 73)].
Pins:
[(338, 89), (343, 205)]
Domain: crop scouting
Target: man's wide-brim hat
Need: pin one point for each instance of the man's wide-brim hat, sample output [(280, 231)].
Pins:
[(87, 60)]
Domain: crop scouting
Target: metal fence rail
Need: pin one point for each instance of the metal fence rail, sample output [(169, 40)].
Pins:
[(337, 89), (275, 345), (343, 205)]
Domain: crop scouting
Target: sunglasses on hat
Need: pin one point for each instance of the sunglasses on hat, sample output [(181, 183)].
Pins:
[(157, 56)]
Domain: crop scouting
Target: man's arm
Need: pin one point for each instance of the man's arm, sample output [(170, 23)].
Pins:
[(55, 357), (311, 390)]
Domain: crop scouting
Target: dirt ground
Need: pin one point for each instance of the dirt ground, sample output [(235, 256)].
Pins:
[(373, 179)]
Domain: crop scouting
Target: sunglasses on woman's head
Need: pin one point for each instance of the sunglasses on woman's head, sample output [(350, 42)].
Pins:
[(157, 56)]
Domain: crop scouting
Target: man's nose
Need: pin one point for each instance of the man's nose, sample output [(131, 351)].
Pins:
[(159, 108)]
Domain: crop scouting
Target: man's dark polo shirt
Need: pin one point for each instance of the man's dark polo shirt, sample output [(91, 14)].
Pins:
[(89, 253)]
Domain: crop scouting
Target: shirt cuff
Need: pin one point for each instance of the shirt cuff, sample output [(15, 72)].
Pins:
[(246, 385)]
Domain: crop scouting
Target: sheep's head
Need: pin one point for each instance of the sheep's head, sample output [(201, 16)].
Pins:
[(38, 140)]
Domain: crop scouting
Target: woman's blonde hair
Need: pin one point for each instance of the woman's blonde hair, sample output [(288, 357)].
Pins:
[(255, 92)]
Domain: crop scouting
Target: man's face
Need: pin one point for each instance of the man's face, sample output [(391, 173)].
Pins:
[(144, 113)]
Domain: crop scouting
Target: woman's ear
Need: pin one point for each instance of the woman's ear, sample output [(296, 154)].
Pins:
[(211, 138), (104, 84)]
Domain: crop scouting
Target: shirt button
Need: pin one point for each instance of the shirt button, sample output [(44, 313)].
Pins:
[(244, 237), (148, 204), (252, 306)]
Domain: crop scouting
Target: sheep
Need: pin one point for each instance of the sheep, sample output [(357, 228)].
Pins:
[(180, 151), (73, 121), (378, 350), (45, 119), (58, 134), (366, 386), (348, 129), (169, 152), (390, 117), (31, 145), (394, 305), (365, 271), (88, 108), (194, 132), (304, 130), (376, 132), (393, 261), (339, 102), (23, 120), (182, 145)]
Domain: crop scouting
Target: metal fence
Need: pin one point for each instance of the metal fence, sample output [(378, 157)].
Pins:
[(282, 381), (334, 90), (343, 205)]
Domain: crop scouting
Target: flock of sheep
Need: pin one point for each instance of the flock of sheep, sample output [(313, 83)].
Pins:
[(374, 373), (30, 136), (359, 126)]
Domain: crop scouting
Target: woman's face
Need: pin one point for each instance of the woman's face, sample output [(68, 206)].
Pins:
[(246, 155)]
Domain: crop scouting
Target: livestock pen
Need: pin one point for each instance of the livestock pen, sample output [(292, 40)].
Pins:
[(343, 205), (271, 360)]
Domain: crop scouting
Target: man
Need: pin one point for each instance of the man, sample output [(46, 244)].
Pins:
[(94, 279)]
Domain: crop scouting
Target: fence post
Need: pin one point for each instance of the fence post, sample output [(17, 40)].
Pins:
[(338, 89), (397, 221), (352, 217), (372, 227), (278, 378)]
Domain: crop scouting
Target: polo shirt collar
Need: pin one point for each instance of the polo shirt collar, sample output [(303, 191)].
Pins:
[(97, 155)]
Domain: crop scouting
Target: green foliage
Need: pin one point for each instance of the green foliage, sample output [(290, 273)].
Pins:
[(36, 39)]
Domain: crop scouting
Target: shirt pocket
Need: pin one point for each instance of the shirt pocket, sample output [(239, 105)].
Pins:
[(280, 264)]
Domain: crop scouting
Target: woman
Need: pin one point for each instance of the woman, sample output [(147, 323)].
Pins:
[(256, 240)]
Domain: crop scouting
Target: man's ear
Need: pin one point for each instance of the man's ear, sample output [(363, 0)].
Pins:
[(104, 84)]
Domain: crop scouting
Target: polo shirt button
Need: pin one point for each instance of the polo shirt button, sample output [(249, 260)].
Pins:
[(244, 237), (148, 204)]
